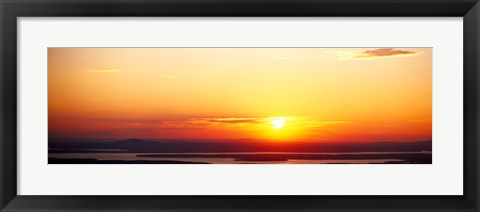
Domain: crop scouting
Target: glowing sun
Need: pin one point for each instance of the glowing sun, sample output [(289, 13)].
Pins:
[(278, 123)]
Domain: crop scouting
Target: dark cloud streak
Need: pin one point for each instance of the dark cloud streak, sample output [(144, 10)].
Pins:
[(384, 52), (235, 121)]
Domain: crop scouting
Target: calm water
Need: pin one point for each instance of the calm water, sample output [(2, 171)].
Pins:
[(228, 160)]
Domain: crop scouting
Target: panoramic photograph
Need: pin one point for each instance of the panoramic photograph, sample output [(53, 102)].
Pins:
[(240, 105)]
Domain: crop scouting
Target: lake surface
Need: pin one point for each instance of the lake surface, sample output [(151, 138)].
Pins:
[(236, 158)]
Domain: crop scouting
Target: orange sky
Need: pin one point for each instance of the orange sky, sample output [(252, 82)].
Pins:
[(318, 94)]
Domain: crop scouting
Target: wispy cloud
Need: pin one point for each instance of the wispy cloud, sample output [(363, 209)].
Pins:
[(385, 52), (235, 120), (103, 70), (375, 54), (191, 123), (230, 120), (204, 126)]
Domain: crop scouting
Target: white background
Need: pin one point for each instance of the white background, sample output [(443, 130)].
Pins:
[(442, 177)]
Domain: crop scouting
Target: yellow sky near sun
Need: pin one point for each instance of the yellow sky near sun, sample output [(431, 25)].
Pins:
[(325, 94)]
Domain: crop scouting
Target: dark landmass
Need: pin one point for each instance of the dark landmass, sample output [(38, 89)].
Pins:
[(199, 146), (95, 161), (407, 152), (420, 158)]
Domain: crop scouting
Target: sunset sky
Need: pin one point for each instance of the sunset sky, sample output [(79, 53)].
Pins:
[(278, 94)]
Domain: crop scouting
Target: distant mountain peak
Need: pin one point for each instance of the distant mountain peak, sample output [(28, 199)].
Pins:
[(132, 139)]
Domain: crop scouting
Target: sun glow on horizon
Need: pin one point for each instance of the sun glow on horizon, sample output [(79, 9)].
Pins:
[(278, 123)]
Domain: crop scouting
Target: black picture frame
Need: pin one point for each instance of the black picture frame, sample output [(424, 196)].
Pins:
[(11, 9)]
